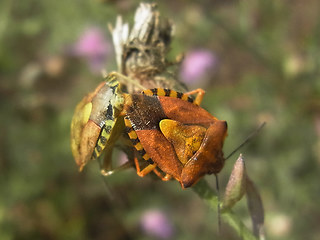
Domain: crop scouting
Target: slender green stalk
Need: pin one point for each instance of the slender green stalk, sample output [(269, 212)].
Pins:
[(204, 191)]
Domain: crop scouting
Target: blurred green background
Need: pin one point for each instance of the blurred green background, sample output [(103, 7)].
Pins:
[(264, 67)]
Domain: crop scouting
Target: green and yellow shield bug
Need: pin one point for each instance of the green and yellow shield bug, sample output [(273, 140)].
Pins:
[(94, 127)]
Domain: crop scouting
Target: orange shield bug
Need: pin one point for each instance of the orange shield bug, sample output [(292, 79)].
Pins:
[(167, 128), (171, 131)]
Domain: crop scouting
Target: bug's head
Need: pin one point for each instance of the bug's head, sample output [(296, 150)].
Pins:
[(209, 158)]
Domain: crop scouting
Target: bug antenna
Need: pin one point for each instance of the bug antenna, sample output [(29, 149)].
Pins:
[(218, 208), (247, 139)]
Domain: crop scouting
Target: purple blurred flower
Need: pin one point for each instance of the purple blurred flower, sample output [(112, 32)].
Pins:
[(155, 223), (197, 65), (94, 47)]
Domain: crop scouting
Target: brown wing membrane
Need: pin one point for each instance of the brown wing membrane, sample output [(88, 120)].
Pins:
[(145, 112)]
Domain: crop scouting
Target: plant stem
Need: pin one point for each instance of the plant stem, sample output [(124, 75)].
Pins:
[(204, 191)]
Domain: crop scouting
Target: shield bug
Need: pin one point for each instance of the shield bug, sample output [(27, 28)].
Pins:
[(94, 126), (97, 123), (172, 132)]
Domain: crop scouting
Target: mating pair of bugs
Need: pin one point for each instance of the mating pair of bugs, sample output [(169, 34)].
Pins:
[(168, 130)]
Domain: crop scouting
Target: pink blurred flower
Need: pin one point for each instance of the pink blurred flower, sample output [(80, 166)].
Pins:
[(197, 65), (94, 47), (155, 223)]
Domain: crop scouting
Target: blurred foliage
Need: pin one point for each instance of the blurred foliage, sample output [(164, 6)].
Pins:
[(268, 70)]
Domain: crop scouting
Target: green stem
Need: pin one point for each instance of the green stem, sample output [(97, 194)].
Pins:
[(204, 191)]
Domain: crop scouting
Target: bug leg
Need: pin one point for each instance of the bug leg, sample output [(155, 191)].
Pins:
[(106, 164), (200, 93), (109, 172), (167, 177), (146, 170), (150, 168)]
